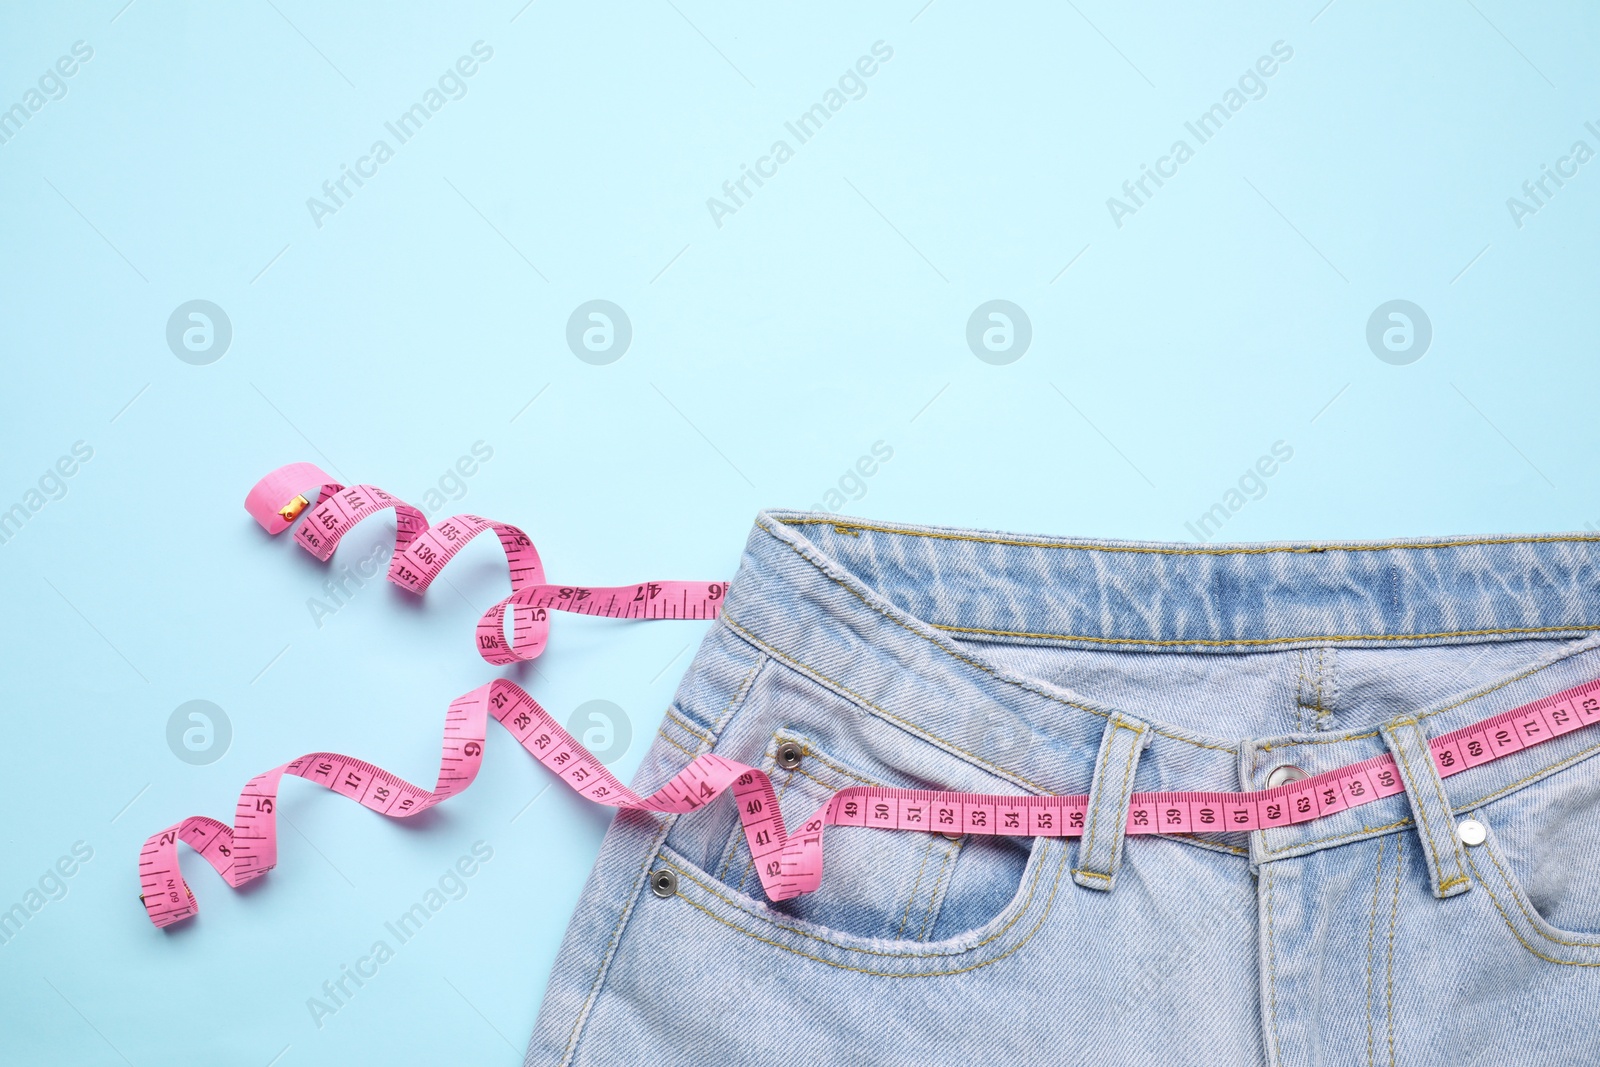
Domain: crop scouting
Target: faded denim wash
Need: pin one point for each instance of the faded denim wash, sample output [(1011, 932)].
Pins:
[(947, 659)]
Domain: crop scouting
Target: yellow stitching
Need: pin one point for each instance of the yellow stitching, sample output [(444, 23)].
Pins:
[(832, 786), (912, 727), (1200, 744), (1232, 751), (1529, 673), (768, 920), (666, 827), (1372, 939), (936, 894), (1091, 874), (1317, 681), (1321, 741), (1502, 791), (1122, 800), (682, 723), (1511, 926), (1122, 805), (911, 898), (1272, 966), (920, 732), (1049, 903), (668, 739), (1143, 549), (1574, 758), (1099, 777), (1254, 641), (1460, 877), (1300, 692), (1394, 910), (1516, 897), (1204, 842), (1003, 772), (1337, 837), (1421, 810), (949, 652)]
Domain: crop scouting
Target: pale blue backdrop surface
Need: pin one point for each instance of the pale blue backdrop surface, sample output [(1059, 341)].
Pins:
[(1175, 332)]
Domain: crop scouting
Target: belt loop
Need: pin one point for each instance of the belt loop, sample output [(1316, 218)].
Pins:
[(1430, 808), (1106, 823)]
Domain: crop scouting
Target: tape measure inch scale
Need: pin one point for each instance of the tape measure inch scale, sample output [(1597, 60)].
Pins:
[(786, 865)]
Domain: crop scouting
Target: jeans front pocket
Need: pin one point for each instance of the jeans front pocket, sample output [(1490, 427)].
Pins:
[(876, 883), (1013, 920), (1540, 864)]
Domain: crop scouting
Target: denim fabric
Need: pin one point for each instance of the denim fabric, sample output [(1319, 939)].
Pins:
[(934, 658)]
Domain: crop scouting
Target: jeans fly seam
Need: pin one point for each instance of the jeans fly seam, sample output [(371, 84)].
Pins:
[(1372, 937), (1394, 910), (1272, 967)]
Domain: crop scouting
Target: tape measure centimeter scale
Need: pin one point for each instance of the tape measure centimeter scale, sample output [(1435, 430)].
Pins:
[(787, 865)]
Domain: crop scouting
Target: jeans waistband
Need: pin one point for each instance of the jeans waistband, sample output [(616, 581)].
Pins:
[(894, 617)]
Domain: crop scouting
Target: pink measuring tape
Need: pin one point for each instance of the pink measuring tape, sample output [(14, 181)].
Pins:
[(787, 865)]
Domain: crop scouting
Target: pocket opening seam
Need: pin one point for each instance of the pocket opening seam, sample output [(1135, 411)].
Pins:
[(768, 919), (1545, 930), (1021, 911)]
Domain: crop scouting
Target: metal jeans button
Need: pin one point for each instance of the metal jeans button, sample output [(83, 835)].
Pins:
[(664, 883), (1284, 775), (789, 755)]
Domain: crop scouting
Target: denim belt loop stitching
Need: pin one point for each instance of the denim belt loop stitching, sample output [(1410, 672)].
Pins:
[(1430, 807), (1106, 822)]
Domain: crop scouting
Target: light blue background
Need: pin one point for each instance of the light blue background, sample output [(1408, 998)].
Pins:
[(769, 353)]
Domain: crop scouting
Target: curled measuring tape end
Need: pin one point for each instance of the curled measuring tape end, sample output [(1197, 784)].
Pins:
[(249, 848), (278, 499), (326, 510)]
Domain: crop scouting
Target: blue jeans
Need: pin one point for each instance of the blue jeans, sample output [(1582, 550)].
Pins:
[(946, 659)]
